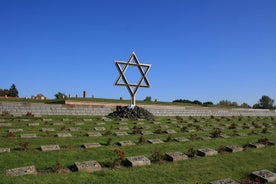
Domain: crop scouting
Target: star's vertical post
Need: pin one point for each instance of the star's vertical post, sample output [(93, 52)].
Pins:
[(122, 79)]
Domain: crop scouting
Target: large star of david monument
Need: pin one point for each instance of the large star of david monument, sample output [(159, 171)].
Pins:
[(122, 80)]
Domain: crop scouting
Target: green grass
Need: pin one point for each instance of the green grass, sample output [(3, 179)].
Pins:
[(199, 169)]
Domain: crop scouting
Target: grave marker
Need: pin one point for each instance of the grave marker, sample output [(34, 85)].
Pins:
[(99, 128), (16, 130), (5, 150), (28, 136), (5, 124), (79, 124), (138, 161), (48, 130), (88, 166), (126, 143), (33, 124), (206, 152), (176, 156), (224, 181), (64, 135), (101, 123), (170, 131), (256, 145), (94, 134), (181, 139), (47, 119), (121, 133), (233, 148), (20, 171), (74, 129), (50, 148), (155, 141), (146, 133), (91, 145), (265, 176), (123, 128), (58, 124)]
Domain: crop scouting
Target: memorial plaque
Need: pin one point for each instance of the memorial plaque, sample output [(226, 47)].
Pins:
[(88, 166), (66, 119), (170, 131), (123, 128), (101, 123), (24, 120), (126, 143), (106, 119), (272, 143), (206, 152), (176, 156), (15, 130), (5, 150), (138, 161), (74, 129), (33, 124), (164, 126), (156, 123), (265, 176), (146, 133), (28, 136), (121, 133), (91, 145), (94, 134), (99, 128), (50, 148), (181, 139), (64, 135), (58, 124), (155, 141), (47, 119), (79, 124), (48, 130), (5, 124), (224, 136), (123, 123), (256, 145), (224, 181), (21, 171), (233, 148)]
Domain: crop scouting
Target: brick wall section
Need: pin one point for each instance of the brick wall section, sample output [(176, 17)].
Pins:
[(19, 108)]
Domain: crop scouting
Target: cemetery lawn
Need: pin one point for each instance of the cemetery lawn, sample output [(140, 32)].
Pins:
[(241, 132)]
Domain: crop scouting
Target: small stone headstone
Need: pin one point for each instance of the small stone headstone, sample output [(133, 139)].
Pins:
[(176, 156), (74, 129), (33, 124), (15, 130), (265, 176), (50, 148), (121, 133), (146, 133), (58, 124), (224, 181), (88, 166), (126, 143), (170, 131), (5, 150), (64, 135), (224, 136), (21, 171), (91, 145), (99, 128), (206, 152), (256, 145), (106, 119), (181, 139), (28, 136), (5, 124), (138, 161), (233, 148), (155, 141), (48, 130), (123, 128), (94, 134)]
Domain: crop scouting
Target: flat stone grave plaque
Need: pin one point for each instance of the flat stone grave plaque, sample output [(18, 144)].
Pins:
[(233, 148), (138, 161), (164, 126), (146, 133), (256, 145), (140, 123), (58, 124), (241, 134), (99, 128), (123, 123), (28, 136), (88, 166), (66, 119), (106, 119), (50, 148), (33, 124), (87, 119), (123, 128), (79, 124), (5, 150), (64, 135), (101, 123), (48, 130), (121, 133), (74, 129), (94, 134), (225, 181), (272, 143), (126, 143), (47, 119), (2, 120), (181, 139), (91, 145), (20, 171), (24, 120), (155, 141), (224, 136), (176, 156), (16, 130), (170, 131), (265, 176), (206, 152), (5, 124)]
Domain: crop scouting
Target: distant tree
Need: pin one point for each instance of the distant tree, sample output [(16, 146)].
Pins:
[(265, 103), (148, 99), (227, 103), (197, 102), (13, 92), (245, 105), (60, 95), (207, 103)]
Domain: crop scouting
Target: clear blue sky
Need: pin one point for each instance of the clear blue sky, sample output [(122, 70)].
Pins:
[(207, 50)]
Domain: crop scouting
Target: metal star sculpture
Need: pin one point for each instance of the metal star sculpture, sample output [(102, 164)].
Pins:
[(122, 79)]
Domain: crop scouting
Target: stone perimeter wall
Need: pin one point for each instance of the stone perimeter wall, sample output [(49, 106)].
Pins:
[(21, 108)]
